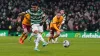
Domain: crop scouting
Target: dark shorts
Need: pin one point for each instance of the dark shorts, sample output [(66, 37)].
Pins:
[(26, 27), (52, 31)]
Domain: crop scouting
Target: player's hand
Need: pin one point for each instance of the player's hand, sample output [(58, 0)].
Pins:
[(61, 30), (20, 14)]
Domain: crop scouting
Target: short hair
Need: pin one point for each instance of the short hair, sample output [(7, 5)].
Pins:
[(58, 12), (34, 4)]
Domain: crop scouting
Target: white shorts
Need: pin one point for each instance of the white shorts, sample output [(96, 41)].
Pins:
[(37, 27)]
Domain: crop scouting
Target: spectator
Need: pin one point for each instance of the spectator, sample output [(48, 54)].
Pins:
[(3, 25), (85, 13)]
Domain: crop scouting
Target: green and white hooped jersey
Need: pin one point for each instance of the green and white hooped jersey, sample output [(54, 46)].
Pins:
[(64, 16), (36, 16)]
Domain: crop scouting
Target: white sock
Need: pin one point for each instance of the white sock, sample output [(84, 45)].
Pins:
[(53, 41), (56, 39), (41, 38), (37, 42), (31, 36)]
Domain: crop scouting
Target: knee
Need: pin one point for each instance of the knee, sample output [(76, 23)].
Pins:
[(58, 33), (51, 35), (36, 31), (25, 31)]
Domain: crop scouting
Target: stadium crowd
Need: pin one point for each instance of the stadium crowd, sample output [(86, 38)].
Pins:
[(81, 15)]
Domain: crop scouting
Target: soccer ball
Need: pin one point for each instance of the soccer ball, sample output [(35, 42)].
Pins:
[(66, 43)]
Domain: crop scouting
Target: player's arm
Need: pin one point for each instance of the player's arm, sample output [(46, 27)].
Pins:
[(20, 16), (44, 18), (64, 19), (54, 24), (27, 16), (57, 29), (22, 13), (47, 24), (60, 24)]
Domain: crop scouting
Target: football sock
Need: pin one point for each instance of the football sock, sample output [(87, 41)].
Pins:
[(22, 35), (36, 44), (49, 38), (40, 36), (25, 36), (53, 41), (56, 39), (31, 36), (37, 41), (56, 36)]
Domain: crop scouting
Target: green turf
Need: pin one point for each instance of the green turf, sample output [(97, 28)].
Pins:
[(9, 46)]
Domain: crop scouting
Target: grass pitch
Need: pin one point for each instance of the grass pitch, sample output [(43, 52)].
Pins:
[(9, 46)]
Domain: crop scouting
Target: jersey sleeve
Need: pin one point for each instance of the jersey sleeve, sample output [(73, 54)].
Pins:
[(62, 18), (27, 16), (47, 21), (54, 24), (41, 13), (60, 24), (27, 11), (54, 20), (55, 27)]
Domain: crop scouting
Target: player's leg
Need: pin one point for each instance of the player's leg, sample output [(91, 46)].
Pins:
[(35, 30), (36, 44), (56, 40), (32, 34), (34, 27), (26, 30), (35, 33), (40, 29), (38, 38), (41, 38), (55, 37), (51, 35), (23, 34), (57, 34)]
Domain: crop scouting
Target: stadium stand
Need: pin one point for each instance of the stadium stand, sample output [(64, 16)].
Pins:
[(81, 15)]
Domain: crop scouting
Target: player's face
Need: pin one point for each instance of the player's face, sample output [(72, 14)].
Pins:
[(58, 15), (62, 11), (34, 8)]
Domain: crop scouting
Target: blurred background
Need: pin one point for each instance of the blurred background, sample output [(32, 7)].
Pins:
[(81, 15)]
